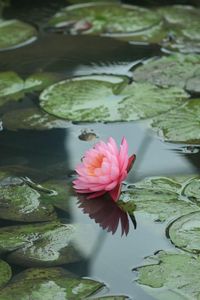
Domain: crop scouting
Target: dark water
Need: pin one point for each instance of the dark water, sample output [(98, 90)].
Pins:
[(55, 153)]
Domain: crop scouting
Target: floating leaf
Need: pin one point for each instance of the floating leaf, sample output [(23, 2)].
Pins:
[(181, 125), (192, 190), (104, 98), (20, 202), (111, 298), (159, 197), (185, 232), (104, 18), (11, 87), (39, 81), (49, 284), (14, 33), (5, 273), (173, 70), (171, 276), (45, 244), (31, 118)]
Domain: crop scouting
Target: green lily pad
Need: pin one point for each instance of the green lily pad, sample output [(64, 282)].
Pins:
[(173, 70), (5, 273), (192, 190), (185, 232), (60, 194), (39, 81), (108, 98), (11, 87), (49, 284), (20, 202), (159, 197), (44, 244), (111, 298), (171, 276), (31, 118), (181, 125), (14, 33), (104, 18)]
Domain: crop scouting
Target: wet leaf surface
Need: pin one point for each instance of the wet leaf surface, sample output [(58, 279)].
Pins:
[(160, 197), (173, 70), (171, 276), (49, 284), (44, 244), (185, 232), (108, 98), (20, 202), (5, 273), (31, 118), (181, 125), (14, 33), (11, 87), (104, 18)]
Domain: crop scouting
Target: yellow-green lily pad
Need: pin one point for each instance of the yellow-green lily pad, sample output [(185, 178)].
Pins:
[(181, 125), (49, 284), (5, 273), (108, 98), (173, 276), (14, 33)]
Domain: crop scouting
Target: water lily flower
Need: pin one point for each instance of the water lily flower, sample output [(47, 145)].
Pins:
[(103, 169)]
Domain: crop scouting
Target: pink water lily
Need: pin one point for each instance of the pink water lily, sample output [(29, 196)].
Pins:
[(103, 169)]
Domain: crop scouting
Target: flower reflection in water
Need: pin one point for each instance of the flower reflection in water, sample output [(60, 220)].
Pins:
[(107, 213)]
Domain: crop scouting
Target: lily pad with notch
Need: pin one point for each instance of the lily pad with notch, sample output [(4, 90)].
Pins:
[(108, 99), (170, 276), (160, 197)]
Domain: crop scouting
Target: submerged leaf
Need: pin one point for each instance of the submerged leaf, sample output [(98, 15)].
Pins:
[(49, 284), (31, 118), (185, 232), (171, 276), (5, 273), (160, 197), (181, 125), (14, 33), (108, 98)]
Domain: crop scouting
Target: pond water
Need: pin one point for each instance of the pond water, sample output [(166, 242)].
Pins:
[(53, 154)]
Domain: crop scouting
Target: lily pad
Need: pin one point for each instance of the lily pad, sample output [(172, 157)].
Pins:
[(49, 284), (14, 33), (173, 70), (11, 87), (181, 125), (185, 232), (160, 197), (20, 202), (39, 81), (5, 273), (192, 190), (111, 298), (108, 98), (44, 244), (31, 119), (171, 276), (104, 18)]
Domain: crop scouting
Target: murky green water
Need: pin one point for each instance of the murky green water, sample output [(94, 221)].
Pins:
[(53, 154)]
